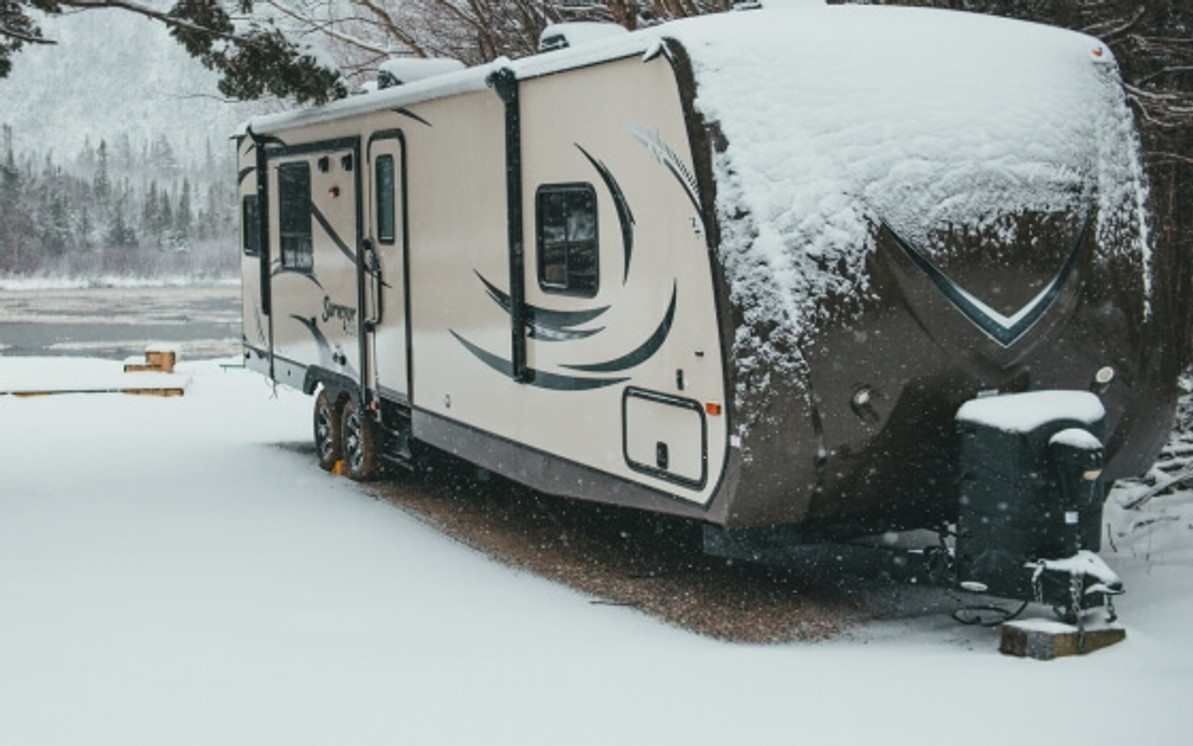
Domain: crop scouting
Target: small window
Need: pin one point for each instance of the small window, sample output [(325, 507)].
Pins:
[(294, 215), (386, 222), (250, 225), (567, 239)]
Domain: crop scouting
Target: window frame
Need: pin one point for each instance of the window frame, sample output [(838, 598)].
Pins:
[(570, 246), (380, 203), (294, 217), (250, 225)]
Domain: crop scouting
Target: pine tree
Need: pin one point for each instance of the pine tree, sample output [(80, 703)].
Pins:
[(150, 223), (10, 176), (165, 221), (165, 212), (86, 226), (120, 233), (55, 229), (101, 185), (182, 216)]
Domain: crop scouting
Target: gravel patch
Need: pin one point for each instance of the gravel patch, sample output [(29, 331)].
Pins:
[(625, 557)]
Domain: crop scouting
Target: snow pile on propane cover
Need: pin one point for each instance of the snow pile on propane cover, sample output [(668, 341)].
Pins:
[(837, 118), (1028, 411)]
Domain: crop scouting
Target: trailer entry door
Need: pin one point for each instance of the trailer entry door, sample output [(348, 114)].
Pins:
[(384, 267)]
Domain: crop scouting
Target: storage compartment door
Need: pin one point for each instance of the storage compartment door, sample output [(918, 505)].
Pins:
[(665, 437)]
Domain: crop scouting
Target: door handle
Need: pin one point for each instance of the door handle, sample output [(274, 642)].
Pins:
[(372, 265)]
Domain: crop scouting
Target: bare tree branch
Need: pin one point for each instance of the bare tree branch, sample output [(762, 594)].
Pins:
[(148, 12), (24, 38)]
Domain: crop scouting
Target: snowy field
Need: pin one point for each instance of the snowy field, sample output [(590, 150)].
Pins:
[(178, 571)]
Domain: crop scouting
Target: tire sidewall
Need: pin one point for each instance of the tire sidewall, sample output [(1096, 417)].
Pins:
[(359, 435), (333, 414)]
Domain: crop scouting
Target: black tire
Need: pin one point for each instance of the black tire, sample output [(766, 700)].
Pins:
[(329, 441), (361, 461)]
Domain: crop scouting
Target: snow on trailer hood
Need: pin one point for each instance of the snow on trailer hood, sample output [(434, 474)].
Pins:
[(836, 119)]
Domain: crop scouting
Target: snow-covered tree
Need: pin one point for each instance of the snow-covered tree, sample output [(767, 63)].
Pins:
[(254, 57)]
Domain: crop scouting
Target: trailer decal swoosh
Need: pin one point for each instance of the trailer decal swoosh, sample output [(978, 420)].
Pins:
[(545, 324), (663, 153), (1006, 330), (260, 327), (538, 378), (331, 233), (325, 358), (278, 269), (410, 114), (261, 140), (624, 215), (244, 174), (643, 352)]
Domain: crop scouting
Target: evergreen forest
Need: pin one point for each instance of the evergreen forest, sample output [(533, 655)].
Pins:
[(117, 208)]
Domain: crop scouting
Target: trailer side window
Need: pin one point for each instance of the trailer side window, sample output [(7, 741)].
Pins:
[(386, 230), (567, 239), (294, 215), (250, 225)]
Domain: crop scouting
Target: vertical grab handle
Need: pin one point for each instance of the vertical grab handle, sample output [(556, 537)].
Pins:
[(372, 266)]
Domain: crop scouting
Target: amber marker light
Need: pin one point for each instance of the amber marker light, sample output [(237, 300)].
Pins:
[(713, 408)]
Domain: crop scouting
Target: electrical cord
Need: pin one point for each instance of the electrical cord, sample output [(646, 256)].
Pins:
[(1003, 615)]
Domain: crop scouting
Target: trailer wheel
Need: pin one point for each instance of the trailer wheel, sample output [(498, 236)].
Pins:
[(329, 445), (360, 443)]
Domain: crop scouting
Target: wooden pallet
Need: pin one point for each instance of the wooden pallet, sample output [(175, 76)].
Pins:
[(157, 360), (1045, 640), (154, 376)]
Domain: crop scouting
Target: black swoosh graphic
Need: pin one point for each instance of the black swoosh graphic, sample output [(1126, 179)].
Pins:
[(260, 329), (325, 357), (243, 174), (545, 324), (538, 378), (666, 156), (643, 352), (335, 238), (278, 269), (624, 215), (981, 315), (263, 140), (407, 113)]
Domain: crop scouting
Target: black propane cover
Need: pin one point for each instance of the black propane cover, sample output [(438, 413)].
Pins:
[(1031, 488)]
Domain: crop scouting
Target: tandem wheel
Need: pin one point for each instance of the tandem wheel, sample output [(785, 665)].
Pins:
[(329, 443), (360, 443)]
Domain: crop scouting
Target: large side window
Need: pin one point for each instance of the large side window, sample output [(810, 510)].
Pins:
[(384, 186), (250, 225), (566, 228), (294, 215)]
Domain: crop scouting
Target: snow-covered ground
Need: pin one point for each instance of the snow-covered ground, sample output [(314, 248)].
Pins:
[(175, 571)]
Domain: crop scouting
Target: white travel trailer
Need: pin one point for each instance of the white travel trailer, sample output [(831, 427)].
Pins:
[(745, 269)]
